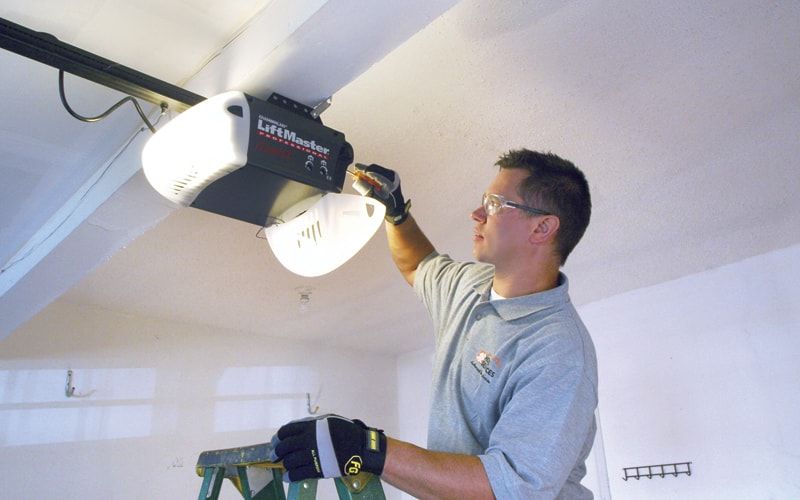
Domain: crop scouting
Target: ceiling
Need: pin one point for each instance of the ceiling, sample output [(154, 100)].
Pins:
[(685, 117)]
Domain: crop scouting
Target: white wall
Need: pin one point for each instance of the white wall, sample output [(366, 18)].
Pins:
[(704, 369), (159, 394), (413, 397)]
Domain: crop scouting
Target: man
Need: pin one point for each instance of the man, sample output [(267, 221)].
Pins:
[(515, 377)]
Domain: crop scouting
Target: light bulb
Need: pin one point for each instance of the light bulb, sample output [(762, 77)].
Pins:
[(326, 234), (202, 144)]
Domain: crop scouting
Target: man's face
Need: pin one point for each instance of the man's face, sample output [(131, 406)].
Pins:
[(502, 238)]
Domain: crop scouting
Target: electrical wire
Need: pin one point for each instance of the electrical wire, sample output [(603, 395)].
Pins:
[(271, 221), (92, 119), (64, 220)]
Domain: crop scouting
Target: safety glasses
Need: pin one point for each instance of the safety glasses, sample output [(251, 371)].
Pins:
[(492, 203)]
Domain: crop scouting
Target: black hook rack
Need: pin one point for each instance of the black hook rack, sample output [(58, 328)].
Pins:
[(661, 470)]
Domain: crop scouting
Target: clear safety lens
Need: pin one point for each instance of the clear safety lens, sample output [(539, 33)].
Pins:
[(491, 204)]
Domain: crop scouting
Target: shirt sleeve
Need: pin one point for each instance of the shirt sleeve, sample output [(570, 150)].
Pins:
[(439, 282), (541, 433), (447, 287)]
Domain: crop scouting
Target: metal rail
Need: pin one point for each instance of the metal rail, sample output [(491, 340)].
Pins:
[(47, 49)]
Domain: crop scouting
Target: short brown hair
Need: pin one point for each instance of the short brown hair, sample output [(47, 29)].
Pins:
[(557, 186)]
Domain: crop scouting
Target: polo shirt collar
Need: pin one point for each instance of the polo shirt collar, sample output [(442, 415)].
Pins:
[(517, 307)]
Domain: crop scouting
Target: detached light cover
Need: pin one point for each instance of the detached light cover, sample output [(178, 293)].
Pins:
[(199, 146), (327, 234)]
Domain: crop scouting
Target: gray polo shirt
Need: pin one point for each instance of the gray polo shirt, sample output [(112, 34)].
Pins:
[(514, 380)]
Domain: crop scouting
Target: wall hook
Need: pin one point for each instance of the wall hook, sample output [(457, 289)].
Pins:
[(69, 390), (660, 470), (308, 405)]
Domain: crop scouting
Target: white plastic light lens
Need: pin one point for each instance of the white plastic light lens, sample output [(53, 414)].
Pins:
[(326, 235), (202, 144)]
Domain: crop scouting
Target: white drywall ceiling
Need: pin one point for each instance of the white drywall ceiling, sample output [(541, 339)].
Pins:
[(684, 117)]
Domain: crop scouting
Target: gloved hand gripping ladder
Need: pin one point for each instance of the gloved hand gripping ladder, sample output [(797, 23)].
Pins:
[(257, 478)]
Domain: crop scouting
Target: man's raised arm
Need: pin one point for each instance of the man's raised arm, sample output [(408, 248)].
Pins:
[(407, 243)]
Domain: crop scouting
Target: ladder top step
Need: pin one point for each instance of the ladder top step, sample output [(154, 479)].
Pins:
[(257, 454)]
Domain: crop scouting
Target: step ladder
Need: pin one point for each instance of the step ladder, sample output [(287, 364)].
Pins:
[(256, 478)]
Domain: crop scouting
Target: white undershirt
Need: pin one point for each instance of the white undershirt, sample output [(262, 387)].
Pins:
[(495, 296)]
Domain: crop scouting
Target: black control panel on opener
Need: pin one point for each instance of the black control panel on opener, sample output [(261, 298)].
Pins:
[(291, 156)]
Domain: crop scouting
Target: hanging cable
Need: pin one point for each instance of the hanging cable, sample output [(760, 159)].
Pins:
[(85, 194), (11, 263), (91, 119)]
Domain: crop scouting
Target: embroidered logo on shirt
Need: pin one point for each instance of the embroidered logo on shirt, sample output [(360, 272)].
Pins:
[(487, 365)]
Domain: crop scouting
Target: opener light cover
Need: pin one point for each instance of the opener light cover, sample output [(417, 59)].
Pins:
[(199, 146), (326, 235)]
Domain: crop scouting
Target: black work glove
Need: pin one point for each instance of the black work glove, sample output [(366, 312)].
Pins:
[(383, 185), (328, 446)]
